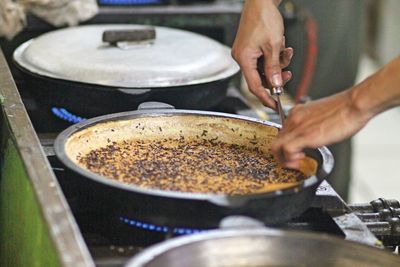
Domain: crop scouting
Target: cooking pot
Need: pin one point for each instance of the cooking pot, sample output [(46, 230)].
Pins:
[(100, 69), (183, 209), (261, 248)]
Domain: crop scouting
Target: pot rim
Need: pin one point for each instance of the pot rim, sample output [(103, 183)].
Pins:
[(18, 58), (156, 250), (323, 170)]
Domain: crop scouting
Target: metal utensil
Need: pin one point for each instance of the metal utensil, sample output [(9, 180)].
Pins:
[(277, 92)]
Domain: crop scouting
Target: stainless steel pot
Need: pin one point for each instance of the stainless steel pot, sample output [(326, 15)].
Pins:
[(261, 248), (89, 54)]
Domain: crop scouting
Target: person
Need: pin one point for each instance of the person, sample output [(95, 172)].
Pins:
[(261, 34), (339, 116)]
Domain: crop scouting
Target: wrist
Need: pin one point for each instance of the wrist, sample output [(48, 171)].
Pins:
[(379, 92), (275, 2), (362, 103)]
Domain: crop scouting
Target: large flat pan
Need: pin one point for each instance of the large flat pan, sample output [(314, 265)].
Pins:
[(178, 208)]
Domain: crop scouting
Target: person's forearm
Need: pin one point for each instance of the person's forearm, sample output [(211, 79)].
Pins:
[(379, 92), (332, 119)]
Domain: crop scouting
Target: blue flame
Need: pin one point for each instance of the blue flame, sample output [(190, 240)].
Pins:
[(64, 114), (160, 229)]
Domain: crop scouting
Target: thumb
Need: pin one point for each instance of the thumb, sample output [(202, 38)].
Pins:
[(272, 67)]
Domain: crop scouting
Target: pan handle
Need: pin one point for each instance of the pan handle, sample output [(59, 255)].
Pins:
[(134, 91), (240, 221), (229, 202), (154, 105)]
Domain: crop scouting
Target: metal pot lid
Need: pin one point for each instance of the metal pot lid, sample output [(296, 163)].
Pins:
[(173, 58)]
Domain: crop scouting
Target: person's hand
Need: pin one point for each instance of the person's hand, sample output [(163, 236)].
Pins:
[(260, 34), (322, 122)]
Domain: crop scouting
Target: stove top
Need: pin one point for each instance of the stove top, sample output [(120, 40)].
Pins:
[(112, 241)]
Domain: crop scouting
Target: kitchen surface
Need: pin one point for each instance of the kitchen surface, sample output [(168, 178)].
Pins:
[(70, 108)]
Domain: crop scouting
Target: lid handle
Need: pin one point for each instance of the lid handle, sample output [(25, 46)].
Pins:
[(129, 35), (154, 105)]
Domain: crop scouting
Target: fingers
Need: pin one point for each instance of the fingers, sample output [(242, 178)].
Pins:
[(254, 82), (286, 57), (286, 76), (272, 64), (289, 153), (292, 161), (248, 59), (289, 146)]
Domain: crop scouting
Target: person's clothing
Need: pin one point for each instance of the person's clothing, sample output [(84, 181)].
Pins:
[(55, 12), (12, 18), (340, 37)]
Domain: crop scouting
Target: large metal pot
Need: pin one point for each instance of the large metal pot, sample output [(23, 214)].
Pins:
[(182, 209), (100, 69), (261, 248)]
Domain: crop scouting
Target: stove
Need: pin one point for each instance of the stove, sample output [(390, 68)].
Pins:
[(112, 241)]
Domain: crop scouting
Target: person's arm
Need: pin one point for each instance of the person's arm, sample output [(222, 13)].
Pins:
[(335, 118), (260, 34)]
